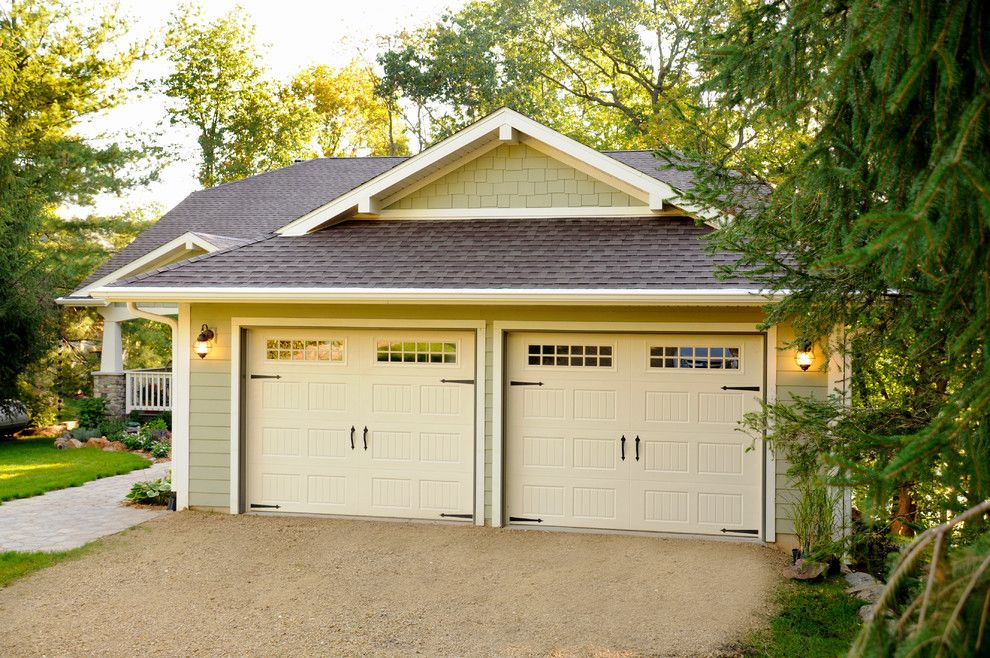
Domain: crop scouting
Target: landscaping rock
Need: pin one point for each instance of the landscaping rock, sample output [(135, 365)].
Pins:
[(62, 442), (864, 586), (115, 446), (806, 570), (99, 442), (867, 612), (75, 443)]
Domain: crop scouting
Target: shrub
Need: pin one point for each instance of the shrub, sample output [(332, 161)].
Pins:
[(151, 492), (155, 438), (92, 412), (83, 433), (165, 417), (132, 441), (814, 521), (114, 430), (161, 449)]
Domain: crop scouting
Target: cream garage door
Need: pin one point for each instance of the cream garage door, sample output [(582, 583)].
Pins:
[(360, 422), (634, 432)]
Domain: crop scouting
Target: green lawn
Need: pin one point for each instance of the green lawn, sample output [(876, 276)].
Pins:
[(814, 620), (15, 564), (32, 466)]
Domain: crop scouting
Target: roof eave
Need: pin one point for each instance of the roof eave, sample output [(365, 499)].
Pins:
[(537, 296)]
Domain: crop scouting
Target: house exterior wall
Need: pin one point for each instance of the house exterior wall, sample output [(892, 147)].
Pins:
[(210, 383), (515, 176)]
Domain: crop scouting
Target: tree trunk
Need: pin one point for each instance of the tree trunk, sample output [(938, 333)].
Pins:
[(907, 512)]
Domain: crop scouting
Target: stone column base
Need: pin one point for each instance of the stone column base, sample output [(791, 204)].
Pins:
[(112, 387)]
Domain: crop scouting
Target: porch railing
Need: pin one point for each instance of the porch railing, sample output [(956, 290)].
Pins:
[(148, 390)]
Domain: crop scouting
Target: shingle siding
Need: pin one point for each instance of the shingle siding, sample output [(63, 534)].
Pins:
[(515, 176)]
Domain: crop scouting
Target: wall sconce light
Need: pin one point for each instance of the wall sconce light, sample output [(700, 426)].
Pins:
[(805, 356), (202, 344)]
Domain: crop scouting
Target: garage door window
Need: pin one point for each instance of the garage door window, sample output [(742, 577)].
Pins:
[(582, 356), (304, 350), (672, 357), (394, 351)]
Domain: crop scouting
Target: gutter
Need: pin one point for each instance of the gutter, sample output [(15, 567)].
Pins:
[(80, 301), (164, 319), (597, 297)]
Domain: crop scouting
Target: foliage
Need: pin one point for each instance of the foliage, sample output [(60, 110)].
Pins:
[(85, 433), (151, 492), (56, 70), (154, 437), (880, 230), (814, 521), (17, 564), (114, 429), (349, 117), (814, 620), (92, 412), (610, 73), (32, 466)]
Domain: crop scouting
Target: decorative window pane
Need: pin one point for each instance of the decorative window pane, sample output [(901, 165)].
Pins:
[(708, 358), (389, 351), (305, 350), (595, 356)]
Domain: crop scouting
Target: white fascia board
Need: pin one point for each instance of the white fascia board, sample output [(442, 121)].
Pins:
[(185, 242), (461, 296), (492, 126)]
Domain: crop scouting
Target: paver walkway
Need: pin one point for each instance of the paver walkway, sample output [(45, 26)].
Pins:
[(68, 518)]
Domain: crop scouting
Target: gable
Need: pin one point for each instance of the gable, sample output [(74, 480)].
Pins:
[(514, 176)]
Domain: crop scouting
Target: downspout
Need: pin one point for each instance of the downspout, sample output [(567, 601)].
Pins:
[(164, 319)]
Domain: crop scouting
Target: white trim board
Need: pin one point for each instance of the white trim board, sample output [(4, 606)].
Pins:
[(496, 127), (501, 328), (182, 350), (459, 296), (239, 323)]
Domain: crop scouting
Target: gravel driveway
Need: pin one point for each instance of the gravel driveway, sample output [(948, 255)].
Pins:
[(202, 584)]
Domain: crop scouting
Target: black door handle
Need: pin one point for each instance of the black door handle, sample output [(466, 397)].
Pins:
[(622, 447), (365, 438), (352, 437), (637, 447)]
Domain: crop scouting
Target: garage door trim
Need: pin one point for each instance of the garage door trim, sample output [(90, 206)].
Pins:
[(238, 327), (499, 368)]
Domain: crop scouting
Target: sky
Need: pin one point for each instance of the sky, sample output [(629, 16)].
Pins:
[(293, 33)]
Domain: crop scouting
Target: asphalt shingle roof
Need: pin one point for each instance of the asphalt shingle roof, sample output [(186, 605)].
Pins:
[(254, 207), (577, 253)]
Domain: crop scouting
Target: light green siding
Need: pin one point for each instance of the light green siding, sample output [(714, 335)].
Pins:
[(209, 418), (791, 381), (515, 176)]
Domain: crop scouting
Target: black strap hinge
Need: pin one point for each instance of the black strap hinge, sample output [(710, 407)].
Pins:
[(515, 383), (456, 516), (266, 376), (456, 381), (515, 519), (260, 506), (745, 531), (740, 388)]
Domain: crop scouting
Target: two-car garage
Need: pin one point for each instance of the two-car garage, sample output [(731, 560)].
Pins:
[(621, 431)]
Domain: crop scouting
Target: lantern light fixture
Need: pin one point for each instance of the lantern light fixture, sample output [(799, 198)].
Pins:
[(805, 356), (203, 340)]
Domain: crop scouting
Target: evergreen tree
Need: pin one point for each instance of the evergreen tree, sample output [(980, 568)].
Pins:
[(881, 229)]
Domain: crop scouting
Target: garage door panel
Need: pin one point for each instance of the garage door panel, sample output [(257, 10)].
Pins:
[(419, 461), (687, 468)]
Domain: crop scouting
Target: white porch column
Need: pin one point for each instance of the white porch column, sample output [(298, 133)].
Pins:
[(110, 382), (112, 357)]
